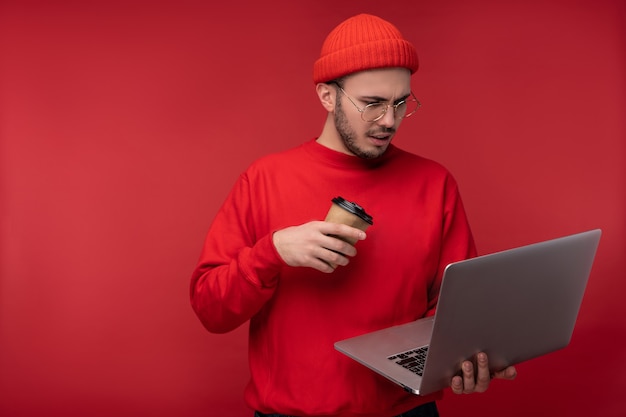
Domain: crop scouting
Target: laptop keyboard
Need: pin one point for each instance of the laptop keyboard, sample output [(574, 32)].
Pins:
[(413, 359)]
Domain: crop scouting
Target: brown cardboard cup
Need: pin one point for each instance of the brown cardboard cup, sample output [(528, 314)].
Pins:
[(347, 212)]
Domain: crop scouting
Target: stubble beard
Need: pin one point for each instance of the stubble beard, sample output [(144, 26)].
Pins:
[(348, 136)]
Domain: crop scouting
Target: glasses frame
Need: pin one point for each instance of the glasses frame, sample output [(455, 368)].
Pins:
[(385, 108)]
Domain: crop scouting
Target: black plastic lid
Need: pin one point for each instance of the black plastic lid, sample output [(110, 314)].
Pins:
[(353, 208)]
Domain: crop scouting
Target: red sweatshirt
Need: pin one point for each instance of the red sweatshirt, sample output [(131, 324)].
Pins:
[(297, 314)]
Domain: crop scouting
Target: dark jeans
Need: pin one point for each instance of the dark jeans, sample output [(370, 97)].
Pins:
[(426, 410)]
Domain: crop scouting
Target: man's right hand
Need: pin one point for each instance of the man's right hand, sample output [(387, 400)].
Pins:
[(313, 244)]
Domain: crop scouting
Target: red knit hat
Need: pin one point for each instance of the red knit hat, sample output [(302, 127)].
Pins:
[(360, 43)]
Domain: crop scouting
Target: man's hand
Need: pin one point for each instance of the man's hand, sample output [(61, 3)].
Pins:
[(470, 381), (312, 246)]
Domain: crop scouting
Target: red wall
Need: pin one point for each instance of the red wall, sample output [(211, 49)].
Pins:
[(122, 129)]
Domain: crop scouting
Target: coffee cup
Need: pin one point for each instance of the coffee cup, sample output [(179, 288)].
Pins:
[(350, 213)]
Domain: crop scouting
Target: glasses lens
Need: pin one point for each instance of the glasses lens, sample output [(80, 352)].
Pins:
[(410, 106), (373, 112)]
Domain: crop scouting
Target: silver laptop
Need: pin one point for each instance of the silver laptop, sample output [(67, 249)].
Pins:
[(513, 305)]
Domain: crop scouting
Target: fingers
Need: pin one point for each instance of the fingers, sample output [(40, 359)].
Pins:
[(457, 385), (342, 231), (470, 384), (325, 255), (509, 373), (336, 245), (473, 378), (333, 258), (483, 377), (319, 245), (464, 383), (339, 240)]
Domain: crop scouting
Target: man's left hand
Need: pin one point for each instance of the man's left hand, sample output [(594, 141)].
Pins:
[(471, 381)]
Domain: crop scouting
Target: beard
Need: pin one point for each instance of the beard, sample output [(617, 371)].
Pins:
[(348, 135)]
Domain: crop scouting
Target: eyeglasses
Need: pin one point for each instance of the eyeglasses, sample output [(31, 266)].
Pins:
[(375, 111)]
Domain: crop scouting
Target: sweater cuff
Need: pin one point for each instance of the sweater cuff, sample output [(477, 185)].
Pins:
[(264, 263)]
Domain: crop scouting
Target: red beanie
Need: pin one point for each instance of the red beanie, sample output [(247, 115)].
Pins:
[(360, 43)]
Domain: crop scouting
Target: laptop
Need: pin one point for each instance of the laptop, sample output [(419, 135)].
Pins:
[(513, 305)]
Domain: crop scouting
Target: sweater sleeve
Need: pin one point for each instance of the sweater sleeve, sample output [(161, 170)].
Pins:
[(238, 268), (457, 241)]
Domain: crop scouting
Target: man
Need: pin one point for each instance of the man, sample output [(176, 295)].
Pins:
[(267, 256)]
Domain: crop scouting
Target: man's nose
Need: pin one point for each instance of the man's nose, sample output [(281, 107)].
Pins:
[(389, 118)]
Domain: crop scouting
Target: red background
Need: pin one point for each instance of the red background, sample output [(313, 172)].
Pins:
[(123, 126)]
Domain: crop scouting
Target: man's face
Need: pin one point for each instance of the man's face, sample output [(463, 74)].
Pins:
[(370, 139)]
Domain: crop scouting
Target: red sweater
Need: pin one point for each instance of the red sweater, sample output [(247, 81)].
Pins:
[(296, 314)]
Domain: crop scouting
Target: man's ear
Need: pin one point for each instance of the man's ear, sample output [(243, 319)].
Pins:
[(327, 95)]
